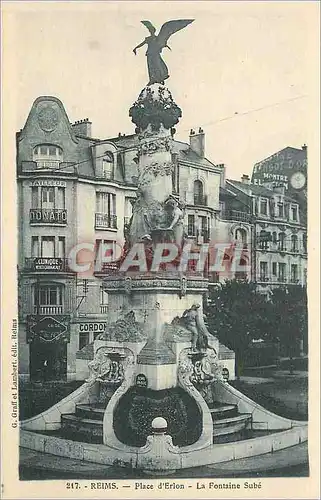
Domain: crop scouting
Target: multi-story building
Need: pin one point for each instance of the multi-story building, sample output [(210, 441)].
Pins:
[(75, 192), (279, 237)]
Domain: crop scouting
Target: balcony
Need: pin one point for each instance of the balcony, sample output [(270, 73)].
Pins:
[(48, 216), (103, 309), (47, 264), (105, 221), (235, 215), (200, 200), (51, 310)]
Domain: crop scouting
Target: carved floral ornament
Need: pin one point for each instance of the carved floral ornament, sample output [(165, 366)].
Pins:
[(155, 107), (154, 169), (156, 145), (109, 365), (47, 118), (137, 284)]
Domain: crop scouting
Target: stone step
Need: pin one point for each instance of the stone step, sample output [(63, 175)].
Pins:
[(223, 411), (231, 425), (70, 423), (90, 412)]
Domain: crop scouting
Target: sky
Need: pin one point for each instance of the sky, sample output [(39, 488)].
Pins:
[(241, 70)]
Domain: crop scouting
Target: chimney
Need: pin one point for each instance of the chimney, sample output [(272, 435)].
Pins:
[(197, 142), (222, 174), (304, 147), (82, 127), (245, 179)]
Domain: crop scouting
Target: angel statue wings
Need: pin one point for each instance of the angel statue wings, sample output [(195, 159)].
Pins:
[(157, 69)]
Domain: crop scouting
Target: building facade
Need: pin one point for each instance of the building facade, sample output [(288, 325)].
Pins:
[(279, 235)]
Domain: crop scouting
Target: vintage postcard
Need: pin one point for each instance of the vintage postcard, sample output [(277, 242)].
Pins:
[(160, 249)]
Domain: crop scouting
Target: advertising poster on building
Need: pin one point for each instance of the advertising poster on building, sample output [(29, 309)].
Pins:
[(160, 256)]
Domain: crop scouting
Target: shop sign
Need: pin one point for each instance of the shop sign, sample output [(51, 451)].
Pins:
[(48, 328), (92, 327), (141, 380), (48, 183), (47, 264)]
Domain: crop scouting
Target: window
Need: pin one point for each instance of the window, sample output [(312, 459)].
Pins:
[(48, 197), (191, 225), (61, 247), (264, 240), (204, 227), (282, 246), (106, 203), (241, 235), (304, 242), (129, 204), (34, 246), (47, 150), (175, 174), (294, 213), (103, 301), (104, 249), (294, 243), (48, 298), (34, 197), (263, 271), (280, 209), (263, 207), (198, 193), (272, 208), (274, 238), (47, 246), (47, 156), (105, 211), (60, 198), (294, 273), (282, 269), (83, 339), (108, 166), (274, 268)]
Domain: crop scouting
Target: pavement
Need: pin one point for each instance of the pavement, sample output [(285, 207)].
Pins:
[(291, 462)]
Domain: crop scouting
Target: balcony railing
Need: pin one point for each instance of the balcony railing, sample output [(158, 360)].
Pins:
[(235, 215), (105, 221), (103, 309), (46, 264), (200, 200), (48, 216), (48, 309)]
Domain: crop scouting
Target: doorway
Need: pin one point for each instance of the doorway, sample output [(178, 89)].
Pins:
[(48, 361)]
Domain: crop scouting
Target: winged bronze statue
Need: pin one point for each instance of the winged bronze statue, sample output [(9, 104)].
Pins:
[(157, 69)]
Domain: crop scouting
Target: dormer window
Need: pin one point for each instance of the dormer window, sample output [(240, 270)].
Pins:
[(47, 156), (108, 166)]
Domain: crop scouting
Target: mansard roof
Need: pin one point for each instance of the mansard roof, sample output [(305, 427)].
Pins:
[(257, 190)]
